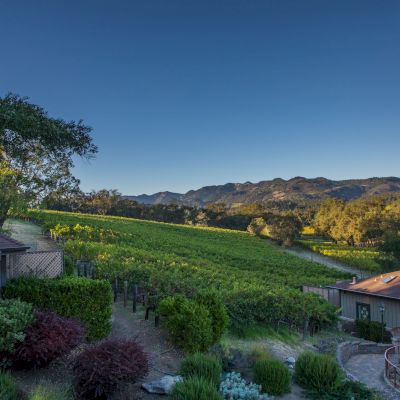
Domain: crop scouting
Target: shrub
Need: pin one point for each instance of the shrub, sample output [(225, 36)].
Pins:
[(195, 388), (48, 337), (233, 387), (8, 389), (372, 330), (188, 323), (69, 267), (101, 367), (88, 300), (15, 316), (207, 367), (318, 372), (45, 393), (273, 376), (348, 390), (215, 306)]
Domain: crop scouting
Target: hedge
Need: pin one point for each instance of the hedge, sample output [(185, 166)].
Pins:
[(85, 299)]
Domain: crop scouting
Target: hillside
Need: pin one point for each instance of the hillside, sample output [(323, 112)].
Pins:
[(295, 190), (257, 280)]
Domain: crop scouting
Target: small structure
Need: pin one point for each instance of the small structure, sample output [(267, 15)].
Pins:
[(376, 298), (17, 260), (9, 250)]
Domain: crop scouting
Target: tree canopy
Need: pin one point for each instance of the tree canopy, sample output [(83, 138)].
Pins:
[(36, 152)]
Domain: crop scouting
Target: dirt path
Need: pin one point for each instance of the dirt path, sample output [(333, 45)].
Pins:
[(324, 260), (30, 234), (164, 359)]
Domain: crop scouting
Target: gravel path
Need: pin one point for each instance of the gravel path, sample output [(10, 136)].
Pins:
[(327, 261), (29, 234)]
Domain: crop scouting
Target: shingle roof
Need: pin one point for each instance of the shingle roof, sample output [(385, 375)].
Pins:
[(8, 244), (385, 285)]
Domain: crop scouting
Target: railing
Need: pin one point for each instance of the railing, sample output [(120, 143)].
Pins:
[(392, 366)]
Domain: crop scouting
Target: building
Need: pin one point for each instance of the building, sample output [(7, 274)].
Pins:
[(9, 250), (374, 299)]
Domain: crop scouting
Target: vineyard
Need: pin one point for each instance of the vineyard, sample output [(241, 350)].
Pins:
[(363, 258), (259, 282)]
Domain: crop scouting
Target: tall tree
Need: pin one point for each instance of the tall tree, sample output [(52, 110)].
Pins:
[(36, 152)]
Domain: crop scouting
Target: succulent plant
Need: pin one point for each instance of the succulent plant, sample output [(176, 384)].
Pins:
[(234, 387)]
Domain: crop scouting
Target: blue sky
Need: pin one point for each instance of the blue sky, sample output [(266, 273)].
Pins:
[(182, 94)]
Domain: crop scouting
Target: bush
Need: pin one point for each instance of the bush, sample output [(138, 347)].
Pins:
[(188, 323), (273, 376), (195, 388), (101, 367), (48, 337), (8, 389), (69, 267), (215, 306), (348, 390), (234, 387), (318, 372), (203, 366), (15, 316), (372, 330), (268, 307), (88, 300), (45, 393)]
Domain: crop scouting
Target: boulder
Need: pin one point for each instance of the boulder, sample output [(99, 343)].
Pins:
[(163, 385)]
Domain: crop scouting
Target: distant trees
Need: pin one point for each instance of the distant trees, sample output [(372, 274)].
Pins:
[(282, 228), (365, 220)]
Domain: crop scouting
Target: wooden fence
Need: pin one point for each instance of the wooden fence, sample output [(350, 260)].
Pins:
[(331, 295)]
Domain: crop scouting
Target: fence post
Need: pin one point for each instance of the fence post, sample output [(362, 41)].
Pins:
[(115, 289), (125, 292), (135, 290)]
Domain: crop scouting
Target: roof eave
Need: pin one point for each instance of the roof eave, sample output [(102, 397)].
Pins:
[(363, 293)]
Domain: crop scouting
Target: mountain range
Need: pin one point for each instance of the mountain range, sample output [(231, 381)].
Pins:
[(297, 190)]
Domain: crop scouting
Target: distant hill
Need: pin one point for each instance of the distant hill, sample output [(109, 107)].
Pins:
[(295, 190)]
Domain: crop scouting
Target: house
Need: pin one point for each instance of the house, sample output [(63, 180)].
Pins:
[(9, 250), (376, 298)]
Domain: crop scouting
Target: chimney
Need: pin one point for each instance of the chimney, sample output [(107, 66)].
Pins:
[(354, 281)]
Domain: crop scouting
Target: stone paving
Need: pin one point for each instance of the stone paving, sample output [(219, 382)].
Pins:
[(369, 368)]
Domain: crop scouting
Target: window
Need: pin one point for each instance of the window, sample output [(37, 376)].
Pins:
[(363, 311)]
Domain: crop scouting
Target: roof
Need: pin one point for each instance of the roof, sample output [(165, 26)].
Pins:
[(385, 285), (8, 244)]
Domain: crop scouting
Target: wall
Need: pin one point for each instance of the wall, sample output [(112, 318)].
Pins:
[(392, 308)]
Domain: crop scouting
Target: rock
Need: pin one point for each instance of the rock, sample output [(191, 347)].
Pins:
[(163, 385), (290, 360)]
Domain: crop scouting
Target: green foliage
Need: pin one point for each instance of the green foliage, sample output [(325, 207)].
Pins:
[(254, 307), (167, 259), (204, 366), (188, 323), (391, 244), (348, 390), (69, 267), (364, 220), (273, 376), (85, 299), (39, 150), (215, 306), (8, 389), (363, 258), (195, 388), (282, 228), (372, 330), (15, 316), (317, 372), (45, 393)]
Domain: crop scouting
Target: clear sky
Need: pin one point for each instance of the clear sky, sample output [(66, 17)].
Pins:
[(182, 94)]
